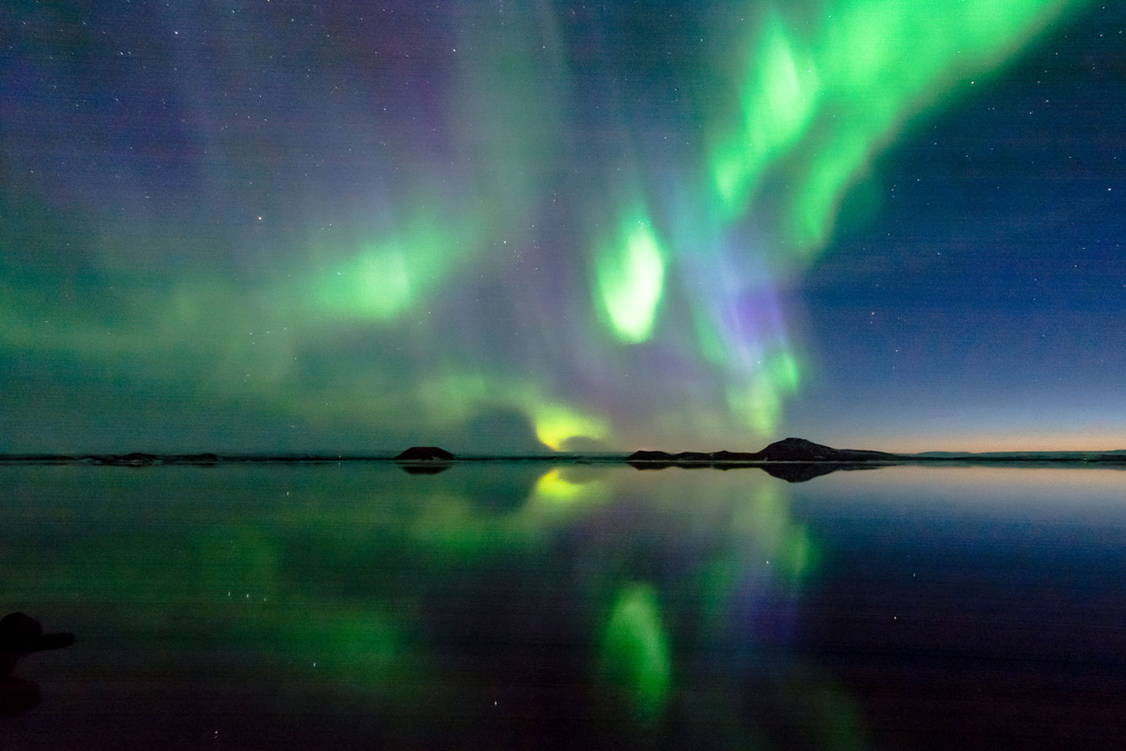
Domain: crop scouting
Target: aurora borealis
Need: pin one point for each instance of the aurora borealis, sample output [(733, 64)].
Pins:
[(507, 226)]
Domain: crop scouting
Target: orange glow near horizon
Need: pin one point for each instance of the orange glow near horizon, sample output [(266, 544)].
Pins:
[(986, 442)]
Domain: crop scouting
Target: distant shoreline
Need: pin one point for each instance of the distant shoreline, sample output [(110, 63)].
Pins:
[(144, 460), (789, 457)]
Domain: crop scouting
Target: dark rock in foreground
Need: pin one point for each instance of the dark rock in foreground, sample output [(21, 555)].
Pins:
[(20, 635), (425, 454)]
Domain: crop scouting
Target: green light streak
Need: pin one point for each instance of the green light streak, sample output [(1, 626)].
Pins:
[(629, 280), (635, 652), (817, 106), (760, 402), (798, 555), (506, 126), (557, 487), (459, 396), (768, 520), (386, 278), (354, 643), (783, 370), (556, 423), (783, 83)]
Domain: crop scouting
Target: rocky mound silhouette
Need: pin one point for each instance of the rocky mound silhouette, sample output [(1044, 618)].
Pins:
[(20, 635), (425, 454), (786, 450), (801, 450)]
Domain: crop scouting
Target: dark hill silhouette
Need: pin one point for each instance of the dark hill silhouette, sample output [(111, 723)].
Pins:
[(736, 456), (786, 450), (801, 450), (135, 459), (643, 455), (425, 454), (204, 459), (661, 459)]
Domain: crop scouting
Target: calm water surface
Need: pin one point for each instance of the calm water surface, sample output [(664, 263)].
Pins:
[(527, 606)]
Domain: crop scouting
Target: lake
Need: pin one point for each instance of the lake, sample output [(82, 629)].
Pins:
[(524, 605)]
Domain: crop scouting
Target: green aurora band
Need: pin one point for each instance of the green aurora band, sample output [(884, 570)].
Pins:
[(577, 295), (825, 96), (815, 103)]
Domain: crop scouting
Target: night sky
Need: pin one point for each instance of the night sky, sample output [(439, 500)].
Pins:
[(503, 225)]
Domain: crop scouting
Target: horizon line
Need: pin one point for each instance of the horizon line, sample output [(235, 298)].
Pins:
[(393, 453)]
